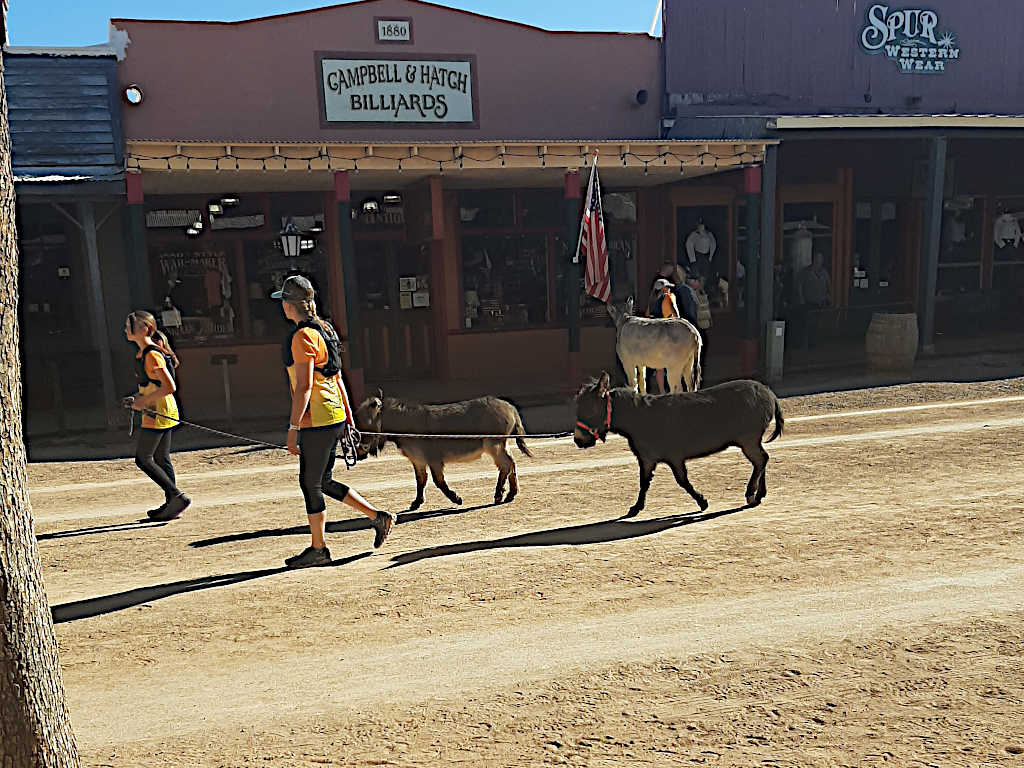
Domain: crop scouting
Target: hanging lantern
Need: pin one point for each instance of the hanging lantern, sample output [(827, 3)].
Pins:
[(291, 240)]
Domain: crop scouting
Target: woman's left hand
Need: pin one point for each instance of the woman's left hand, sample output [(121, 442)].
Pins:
[(293, 442)]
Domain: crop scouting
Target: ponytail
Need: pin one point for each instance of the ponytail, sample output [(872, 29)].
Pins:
[(164, 344), (142, 317)]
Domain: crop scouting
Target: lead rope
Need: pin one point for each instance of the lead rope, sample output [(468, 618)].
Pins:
[(349, 444)]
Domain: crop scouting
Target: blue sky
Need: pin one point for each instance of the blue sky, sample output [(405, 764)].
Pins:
[(84, 22)]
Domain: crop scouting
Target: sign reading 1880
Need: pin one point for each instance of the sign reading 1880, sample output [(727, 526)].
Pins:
[(397, 90), (909, 37)]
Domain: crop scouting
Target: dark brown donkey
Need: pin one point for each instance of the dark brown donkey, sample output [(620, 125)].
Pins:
[(482, 416), (689, 425)]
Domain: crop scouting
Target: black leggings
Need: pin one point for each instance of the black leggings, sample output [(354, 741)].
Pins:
[(316, 463), (153, 456)]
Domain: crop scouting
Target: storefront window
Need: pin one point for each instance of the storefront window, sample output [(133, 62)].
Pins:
[(505, 281), (266, 268), (196, 292), (878, 256), (960, 246)]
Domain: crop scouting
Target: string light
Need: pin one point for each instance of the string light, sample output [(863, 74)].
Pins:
[(742, 159)]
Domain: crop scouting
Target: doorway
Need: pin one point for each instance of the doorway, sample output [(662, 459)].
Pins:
[(396, 309)]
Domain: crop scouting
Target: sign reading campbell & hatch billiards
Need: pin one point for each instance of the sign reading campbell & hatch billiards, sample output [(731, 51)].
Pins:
[(382, 89)]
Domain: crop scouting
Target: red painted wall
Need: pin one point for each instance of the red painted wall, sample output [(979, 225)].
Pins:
[(256, 80)]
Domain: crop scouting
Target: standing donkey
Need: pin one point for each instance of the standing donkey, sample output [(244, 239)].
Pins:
[(643, 342)]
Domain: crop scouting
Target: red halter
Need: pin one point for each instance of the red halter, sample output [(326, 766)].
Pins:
[(607, 422)]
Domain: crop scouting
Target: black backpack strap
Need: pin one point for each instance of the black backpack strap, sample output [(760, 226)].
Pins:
[(331, 341)]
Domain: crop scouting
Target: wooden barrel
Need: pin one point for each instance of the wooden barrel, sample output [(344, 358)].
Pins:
[(891, 341)]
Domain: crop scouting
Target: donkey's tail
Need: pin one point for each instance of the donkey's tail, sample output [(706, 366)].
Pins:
[(779, 422), (519, 431), (696, 368)]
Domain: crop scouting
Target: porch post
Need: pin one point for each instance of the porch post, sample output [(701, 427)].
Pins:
[(749, 345), (97, 308), (572, 274), (136, 253), (765, 275), (343, 198), (932, 231)]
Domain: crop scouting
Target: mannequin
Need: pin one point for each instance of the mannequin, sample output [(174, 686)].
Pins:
[(701, 244), (1007, 230)]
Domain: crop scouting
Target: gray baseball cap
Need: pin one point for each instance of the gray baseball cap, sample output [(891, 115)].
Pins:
[(295, 288)]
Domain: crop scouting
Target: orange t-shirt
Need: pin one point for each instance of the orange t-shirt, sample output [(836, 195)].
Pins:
[(166, 407), (668, 306), (326, 405)]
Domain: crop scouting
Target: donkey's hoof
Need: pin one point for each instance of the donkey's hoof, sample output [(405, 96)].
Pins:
[(509, 499), (416, 505), (702, 503), (457, 500), (633, 512), (753, 501)]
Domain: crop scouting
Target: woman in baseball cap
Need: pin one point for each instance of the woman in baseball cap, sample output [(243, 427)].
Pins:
[(320, 411)]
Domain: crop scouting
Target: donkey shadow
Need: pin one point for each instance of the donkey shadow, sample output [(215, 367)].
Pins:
[(617, 529), (337, 526)]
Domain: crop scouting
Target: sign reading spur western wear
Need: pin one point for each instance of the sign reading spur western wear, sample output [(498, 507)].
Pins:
[(910, 38), (386, 89)]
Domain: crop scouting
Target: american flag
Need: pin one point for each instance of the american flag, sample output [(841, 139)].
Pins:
[(592, 243)]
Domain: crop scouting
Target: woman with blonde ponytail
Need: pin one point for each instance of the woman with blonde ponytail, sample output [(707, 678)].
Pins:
[(320, 412), (154, 368)]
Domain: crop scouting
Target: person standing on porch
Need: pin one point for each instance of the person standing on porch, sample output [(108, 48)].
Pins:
[(154, 364), (320, 412)]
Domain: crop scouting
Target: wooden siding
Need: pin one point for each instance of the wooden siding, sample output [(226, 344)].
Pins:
[(64, 115)]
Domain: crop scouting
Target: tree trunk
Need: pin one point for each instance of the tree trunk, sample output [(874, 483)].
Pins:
[(35, 731)]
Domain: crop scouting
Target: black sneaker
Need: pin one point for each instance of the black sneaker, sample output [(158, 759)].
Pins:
[(172, 509), (382, 527), (309, 557), (152, 513)]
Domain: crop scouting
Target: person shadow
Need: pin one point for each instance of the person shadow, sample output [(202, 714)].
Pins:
[(97, 529), (617, 529), (98, 606)]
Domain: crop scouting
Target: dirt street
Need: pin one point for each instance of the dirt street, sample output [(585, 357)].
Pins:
[(868, 613)]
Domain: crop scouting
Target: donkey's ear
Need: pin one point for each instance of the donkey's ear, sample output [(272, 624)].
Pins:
[(603, 383)]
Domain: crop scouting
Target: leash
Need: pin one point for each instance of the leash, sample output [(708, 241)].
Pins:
[(349, 439), (431, 436)]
